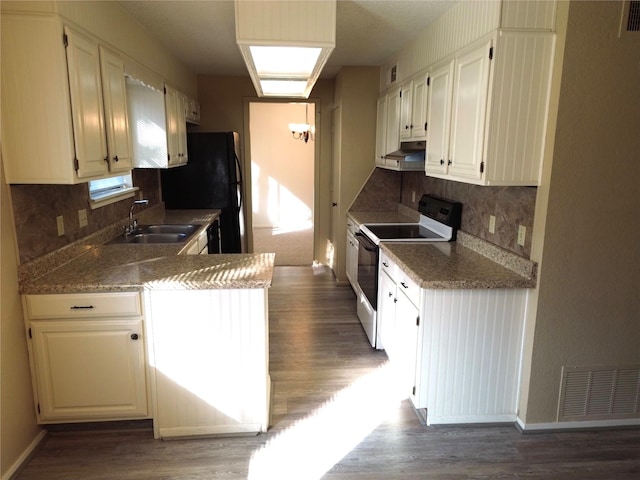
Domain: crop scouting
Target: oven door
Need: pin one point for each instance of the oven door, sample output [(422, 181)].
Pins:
[(368, 269)]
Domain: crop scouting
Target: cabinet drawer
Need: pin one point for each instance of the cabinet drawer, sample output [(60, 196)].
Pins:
[(352, 226), (119, 304), (388, 266), (409, 287)]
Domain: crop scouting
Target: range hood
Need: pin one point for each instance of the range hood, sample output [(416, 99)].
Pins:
[(408, 149), (409, 157)]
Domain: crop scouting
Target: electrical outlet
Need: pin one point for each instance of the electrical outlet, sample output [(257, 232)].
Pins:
[(522, 233), (82, 218), (492, 224), (413, 196), (60, 222)]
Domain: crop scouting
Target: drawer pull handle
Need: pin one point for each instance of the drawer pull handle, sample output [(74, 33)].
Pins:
[(404, 285), (134, 336), (385, 264), (82, 307)]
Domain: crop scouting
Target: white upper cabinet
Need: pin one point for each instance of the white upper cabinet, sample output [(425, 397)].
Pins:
[(56, 112), (116, 117), (392, 137), (176, 126), (413, 110), (381, 130), (85, 86), (468, 112), (487, 110), (438, 119)]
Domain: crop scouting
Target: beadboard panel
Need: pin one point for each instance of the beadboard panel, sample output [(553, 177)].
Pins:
[(114, 26), (532, 14), (458, 27), (518, 122), (472, 344), (209, 360), (267, 23)]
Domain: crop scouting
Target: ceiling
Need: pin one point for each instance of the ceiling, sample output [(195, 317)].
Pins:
[(202, 33)]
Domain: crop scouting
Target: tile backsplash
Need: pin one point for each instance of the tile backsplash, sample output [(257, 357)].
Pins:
[(512, 206), (35, 208)]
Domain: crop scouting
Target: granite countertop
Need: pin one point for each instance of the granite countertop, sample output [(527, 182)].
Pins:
[(450, 265), (100, 267), (467, 263)]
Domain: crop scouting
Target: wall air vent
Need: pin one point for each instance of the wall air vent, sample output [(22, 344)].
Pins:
[(599, 393), (630, 21)]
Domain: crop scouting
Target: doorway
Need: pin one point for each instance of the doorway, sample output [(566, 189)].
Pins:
[(282, 181)]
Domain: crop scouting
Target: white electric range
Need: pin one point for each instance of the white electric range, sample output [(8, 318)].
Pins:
[(439, 222)]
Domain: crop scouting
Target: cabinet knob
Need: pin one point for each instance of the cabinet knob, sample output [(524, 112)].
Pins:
[(449, 162), (115, 159), (134, 336), (442, 161), (406, 127), (404, 285)]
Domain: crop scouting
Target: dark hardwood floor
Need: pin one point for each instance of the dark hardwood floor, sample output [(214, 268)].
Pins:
[(335, 417)]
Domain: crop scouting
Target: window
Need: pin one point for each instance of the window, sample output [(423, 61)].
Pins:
[(109, 190)]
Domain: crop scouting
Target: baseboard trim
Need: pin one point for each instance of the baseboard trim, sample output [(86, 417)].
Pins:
[(22, 460), (581, 425)]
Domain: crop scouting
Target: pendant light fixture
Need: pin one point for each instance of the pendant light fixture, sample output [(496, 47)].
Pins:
[(285, 44)]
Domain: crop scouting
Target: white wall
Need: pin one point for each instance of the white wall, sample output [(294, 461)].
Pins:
[(282, 182), (18, 428), (588, 307)]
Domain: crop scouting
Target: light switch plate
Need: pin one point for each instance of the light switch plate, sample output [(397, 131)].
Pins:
[(522, 233), (492, 224), (60, 222), (82, 218)]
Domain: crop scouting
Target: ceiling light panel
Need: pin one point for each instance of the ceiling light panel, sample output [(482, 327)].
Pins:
[(285, 43)]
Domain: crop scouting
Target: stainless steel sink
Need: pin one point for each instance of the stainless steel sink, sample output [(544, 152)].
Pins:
[(146, 234), (156, 238), (186, 229)]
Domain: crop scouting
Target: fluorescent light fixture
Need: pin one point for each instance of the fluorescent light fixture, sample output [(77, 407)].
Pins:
[(283, 88), (285, 44), (297, 62)]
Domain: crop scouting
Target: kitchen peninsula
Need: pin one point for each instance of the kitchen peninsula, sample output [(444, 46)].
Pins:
[(121, 331)]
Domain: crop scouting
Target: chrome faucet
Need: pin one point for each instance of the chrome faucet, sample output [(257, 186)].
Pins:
[(128, 229)]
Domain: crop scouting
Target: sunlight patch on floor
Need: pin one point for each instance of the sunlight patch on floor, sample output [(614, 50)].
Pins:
[(311, 447)]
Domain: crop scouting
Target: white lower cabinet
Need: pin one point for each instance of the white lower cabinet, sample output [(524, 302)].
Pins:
[(199, 245), (352, 254), (398, 321), (457, 352), (87, 354)]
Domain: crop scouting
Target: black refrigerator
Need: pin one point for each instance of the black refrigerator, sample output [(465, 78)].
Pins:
[(211, 179)]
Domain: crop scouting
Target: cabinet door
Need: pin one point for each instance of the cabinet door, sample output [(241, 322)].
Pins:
[(381, 130), (171, 108), (419, 109), (85, 87), (392, 141), (182, 126), (387, 313), (406, 338), (438, 119), (468, 115), (406, 95), (352, 259), (115, 109), (89, 369)]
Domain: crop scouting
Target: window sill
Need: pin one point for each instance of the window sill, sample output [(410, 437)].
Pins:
[(109, 198)]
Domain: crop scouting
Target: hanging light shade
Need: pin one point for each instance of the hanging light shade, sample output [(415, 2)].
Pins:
[(285, 44)]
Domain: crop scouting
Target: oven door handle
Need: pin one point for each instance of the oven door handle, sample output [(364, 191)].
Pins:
[(366, 242)]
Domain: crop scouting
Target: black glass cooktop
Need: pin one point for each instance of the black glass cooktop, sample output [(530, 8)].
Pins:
[(402, 231)]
